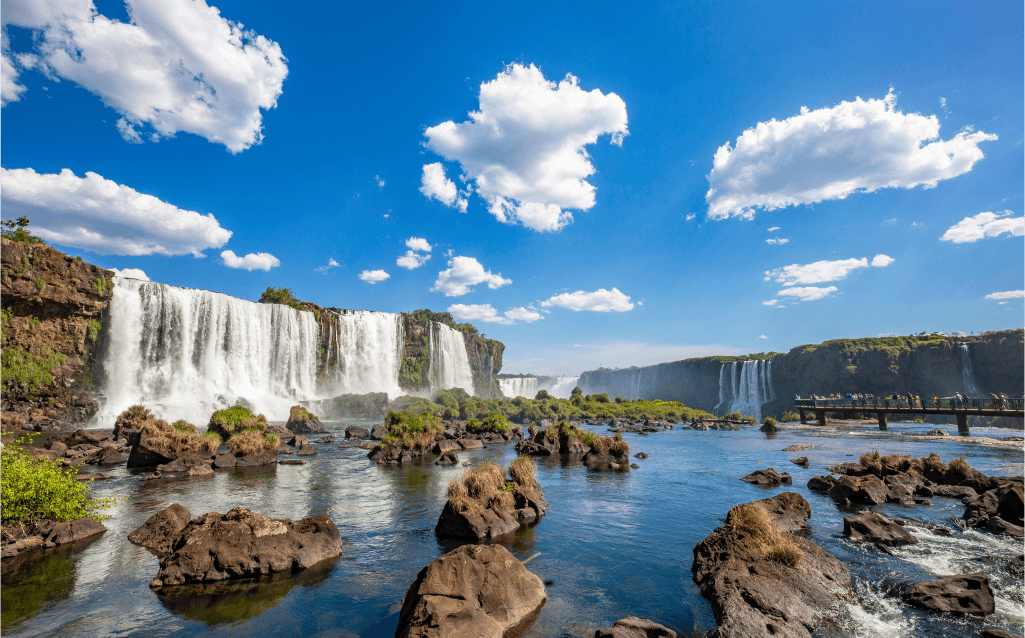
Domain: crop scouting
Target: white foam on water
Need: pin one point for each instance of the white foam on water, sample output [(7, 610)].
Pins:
[(876, 616)]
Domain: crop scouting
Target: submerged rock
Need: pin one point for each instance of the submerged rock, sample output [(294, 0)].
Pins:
[(161, 529), (242, 544), (634, 627), (802, 461), (873, 527), (477, 590), (967, 594), (768, 478)]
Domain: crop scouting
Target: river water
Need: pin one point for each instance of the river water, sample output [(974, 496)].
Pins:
[(610, 545)]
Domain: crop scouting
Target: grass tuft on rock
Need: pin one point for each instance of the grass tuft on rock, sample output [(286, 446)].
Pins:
[(752, 522), (251, 442), (237, 418)]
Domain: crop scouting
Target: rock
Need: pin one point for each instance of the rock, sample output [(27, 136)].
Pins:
[(356, 432), (936, 432), (1011, 505), (111, 456), (184, 464), (821, 484), (199, 471), (225, 460), (997, 525), (242, 544), (802, 461), (469, 444), (292, 462), (467, 463), (571, 445), (633, 627), (443, 446), (254, 460), (1016, 566), (873, 527), (864, 490), (378, 432), (967, 594), (768, 478), (997, 633), (302, 421), (280, 431), (344, 446), (606, 461), (299, 440), (326, 439), (797, 448), (476, 590), (96, 476), (307, 450), (639, 455), (365, 445), (490, 506), (388, 454), (81, 436), (981, 508), (953, 491), (57, 447), (46, 534), (768, 427), (539, 445), (448, 458), (752, 594), (160, 530), (635, 466)]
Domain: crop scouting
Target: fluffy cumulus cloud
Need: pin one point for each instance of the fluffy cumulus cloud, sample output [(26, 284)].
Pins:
[(131, 273), (807, 293), (103, 216), (251, 262), (418, 243), (412, 260), (882, 261), (600, 300), (529, 315), (373, 276), (10, 90), (434, 184), (524, 150), (464, 272), (487, 314), (1010, 294), (829, 153), (972, 229), (178, 65)]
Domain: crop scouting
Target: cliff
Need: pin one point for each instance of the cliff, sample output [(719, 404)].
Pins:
[(53, 317), (485, 355), (922, 365)]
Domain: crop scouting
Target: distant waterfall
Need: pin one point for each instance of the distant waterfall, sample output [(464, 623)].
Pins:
[(184, 353), (450, 365), (563, 387), (966, 373), (519, 387), (745, 388), (528, 387), (366, 350)]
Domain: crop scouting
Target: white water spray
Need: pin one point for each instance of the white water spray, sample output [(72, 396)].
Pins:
[(966, 373), (450, 366), (368, 353), (747, 389)]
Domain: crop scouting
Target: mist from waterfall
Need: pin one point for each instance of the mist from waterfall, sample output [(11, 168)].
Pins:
[(745, 388), (528, 387), (367, 353), (450, 365), (525, 387), (966, 373)]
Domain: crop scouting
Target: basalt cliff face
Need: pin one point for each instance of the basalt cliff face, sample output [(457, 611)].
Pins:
[(925, 365), (485, 357), (54, 309)]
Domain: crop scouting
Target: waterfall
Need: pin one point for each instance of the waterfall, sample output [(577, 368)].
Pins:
[(747, 389), (184, 353), (528, 387), (519, 387), (966, 373), (563, 387), (450, 365), (366, 350)]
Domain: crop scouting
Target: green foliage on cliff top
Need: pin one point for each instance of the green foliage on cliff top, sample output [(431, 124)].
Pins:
[(19, 365), (893, 344), (521, 409), (17, 230), (282, 296), (424, 316)]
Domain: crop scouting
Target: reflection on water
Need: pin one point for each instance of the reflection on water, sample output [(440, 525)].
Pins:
[(236, 601), (611, 544)]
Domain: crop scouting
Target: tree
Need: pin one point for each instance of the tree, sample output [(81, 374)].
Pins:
[(542, 394), (17, 230), (576, 392)]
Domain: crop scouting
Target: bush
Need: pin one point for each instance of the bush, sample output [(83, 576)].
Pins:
[(493, 422), (752, 522), (251, 442), (21, 366), (542, 395), (282, 296), (17, 230), (413, 431), (468, 408), (770, 421), (448, 400), (452, 413), (132, 418), (790, 416), (576, 392), (184, 426), (522, 471), (236, 419), (33, 488)]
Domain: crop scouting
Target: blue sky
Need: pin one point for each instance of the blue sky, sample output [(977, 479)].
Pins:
[(306, 133)]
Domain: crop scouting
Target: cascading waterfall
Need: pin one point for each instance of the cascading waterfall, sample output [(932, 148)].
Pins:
[(563, 387), (184, 353), (749, 387), (450, 366), (528, 387), (966, 373), (367, 353)]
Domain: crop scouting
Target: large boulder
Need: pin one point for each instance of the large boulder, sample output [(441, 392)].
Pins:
[(378, 432), (161, 529), (357, 432), (967, 594), (768, 478), (873, 527), (244, 544), (539, 444), (483, 504), (302, 421), (764, 581), (863, 490), (634, 627), (476, 590), (46, 534)]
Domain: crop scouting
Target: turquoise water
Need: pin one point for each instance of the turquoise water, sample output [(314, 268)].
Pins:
[(611, 544)]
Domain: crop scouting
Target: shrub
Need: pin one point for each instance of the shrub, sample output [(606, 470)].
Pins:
[(576, 392), (752, 522), (790, 416), (282, 296), (733, 416), (448, 400), (468, 408), (770, 421), (92, 329), (236, 419), (34, 488), (493, 422), (178, 442), (250, 442), (522, 471), (960, 466), (413, 431), (184, 426), (452, 413), (17, 230), (132, 418), (299, 413)]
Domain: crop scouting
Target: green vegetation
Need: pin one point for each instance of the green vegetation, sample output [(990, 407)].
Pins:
[(34, 488), (104, 287), (425, 316), (301, 414), (21, 366), (92, 328), (790, 416), (412, 431), (40, 284), (282, 296), (236, 419), (770, 421), (493, 422), (17, 230), (183, 426)]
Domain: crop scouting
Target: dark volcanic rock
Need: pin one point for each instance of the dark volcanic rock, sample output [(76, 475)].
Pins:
[(953, 491), (606, 461), (872, 527), (302, 421), (448, 458), (307, 450), (998, 525), (959, 595), (161, 529), (225, 460), (753, 595), (997, 633), (241, 544), (523, 505), (280, 431), (299, 440), (378, 432), (802, 461), (864, 490), (639, 455), (388, 454), (633, 627), (539, 445), (477, 590), (821, 484), (470, 444), (445, 445), (356, 432), (46, 534), (768, 478)]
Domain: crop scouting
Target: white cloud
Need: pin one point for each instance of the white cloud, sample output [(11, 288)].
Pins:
[(251, 262), (1010, 294), (477, 312), (177, 66), (972, 229), (810, 293), (774, 228), (10, 90), (524, 149), (829, 153), (418, 243), (771, 302), (373, 276), (777, 240), (523, 314), (762, 337), (691, 216), (464, 272), (412, 260), (128, 132), (130, 273), (103, 216), (380, 182), (882, 261), (815, 273), (434, 184), (600, 300), (331, 263)]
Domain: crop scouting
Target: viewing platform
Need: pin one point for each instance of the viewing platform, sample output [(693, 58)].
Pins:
[(883, 407)]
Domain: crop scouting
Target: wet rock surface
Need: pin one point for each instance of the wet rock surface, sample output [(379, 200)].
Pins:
[(633, 627), (768, 478), (873, 527), (45, 534), (476, 590), (302, 421), (967, 594), (157, 533)]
